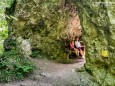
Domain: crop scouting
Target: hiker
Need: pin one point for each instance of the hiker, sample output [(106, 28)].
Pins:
[(72, 45), (77, 43), (74, 51), (82, 50), (77, 48), (80, 47)]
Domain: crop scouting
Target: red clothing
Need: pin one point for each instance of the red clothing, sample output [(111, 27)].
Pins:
[(72, 45)]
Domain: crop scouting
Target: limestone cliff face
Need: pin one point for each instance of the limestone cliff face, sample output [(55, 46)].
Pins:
[(46, 26)]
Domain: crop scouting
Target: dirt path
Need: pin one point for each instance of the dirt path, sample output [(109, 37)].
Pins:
[(50, 73), (54, 69)]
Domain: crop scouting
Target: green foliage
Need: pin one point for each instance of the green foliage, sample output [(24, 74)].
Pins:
[(3, 35), (3, 5), (9, 44), (13, 65), (3, 24), (36, 53)]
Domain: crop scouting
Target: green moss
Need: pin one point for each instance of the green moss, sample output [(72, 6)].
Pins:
[(44, 23), (98, 34)]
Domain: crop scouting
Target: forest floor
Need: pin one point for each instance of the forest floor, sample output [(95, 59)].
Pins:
[(50, 73)]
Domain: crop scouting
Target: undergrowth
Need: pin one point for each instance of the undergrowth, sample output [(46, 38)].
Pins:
[(14, 66)]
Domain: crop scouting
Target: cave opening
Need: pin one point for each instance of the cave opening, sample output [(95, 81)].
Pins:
[(75, 47)]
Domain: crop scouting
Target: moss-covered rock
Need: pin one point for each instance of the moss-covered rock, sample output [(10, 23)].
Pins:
[(45, 25), (98, 21)]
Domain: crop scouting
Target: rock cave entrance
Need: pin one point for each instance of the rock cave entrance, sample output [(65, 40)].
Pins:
[(75, 47), (38, 27)]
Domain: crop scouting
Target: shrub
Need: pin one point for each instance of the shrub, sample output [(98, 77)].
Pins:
[(13, 66)]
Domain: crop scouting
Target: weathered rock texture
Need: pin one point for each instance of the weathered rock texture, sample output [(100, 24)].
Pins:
[(98, 23), (47, 25)]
